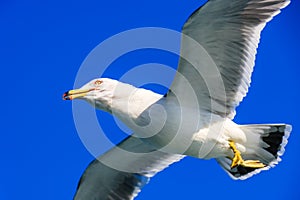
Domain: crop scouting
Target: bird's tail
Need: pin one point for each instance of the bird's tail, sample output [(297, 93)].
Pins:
[(265, 142)]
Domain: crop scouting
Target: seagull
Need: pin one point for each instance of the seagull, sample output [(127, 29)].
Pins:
[(195, 117)]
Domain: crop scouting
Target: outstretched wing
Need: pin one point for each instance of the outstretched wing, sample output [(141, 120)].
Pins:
[(218, 50), (123, 171)]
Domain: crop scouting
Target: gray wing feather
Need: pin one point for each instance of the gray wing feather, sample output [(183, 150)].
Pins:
[(229, 32), (123, 171)]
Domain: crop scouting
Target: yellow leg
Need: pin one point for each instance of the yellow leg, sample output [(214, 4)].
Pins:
[(238, 160)]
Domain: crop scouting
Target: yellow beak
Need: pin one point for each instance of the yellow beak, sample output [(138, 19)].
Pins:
[(75, 94)]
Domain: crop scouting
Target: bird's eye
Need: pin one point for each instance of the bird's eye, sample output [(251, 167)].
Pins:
[(97, 82)]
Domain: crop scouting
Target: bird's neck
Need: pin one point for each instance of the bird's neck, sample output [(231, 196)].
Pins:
[(130, 102)]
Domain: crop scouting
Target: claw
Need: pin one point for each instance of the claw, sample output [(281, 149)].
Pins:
[(253, 164), (237, 160)]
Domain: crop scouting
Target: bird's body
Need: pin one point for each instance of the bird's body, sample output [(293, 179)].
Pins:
[(158, 120), (194, 118)]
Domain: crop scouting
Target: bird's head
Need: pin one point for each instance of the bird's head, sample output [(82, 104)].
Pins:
[(115, 97), (98, 92)]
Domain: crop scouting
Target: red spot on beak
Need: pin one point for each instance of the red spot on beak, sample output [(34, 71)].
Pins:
[(66, 96)]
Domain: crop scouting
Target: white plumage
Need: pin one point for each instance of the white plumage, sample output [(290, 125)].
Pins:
[(218, 50)]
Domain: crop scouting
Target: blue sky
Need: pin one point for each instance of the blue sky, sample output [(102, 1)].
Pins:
[(42, 46)]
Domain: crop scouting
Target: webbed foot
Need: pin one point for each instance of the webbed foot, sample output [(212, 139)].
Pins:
[(237, 160)]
